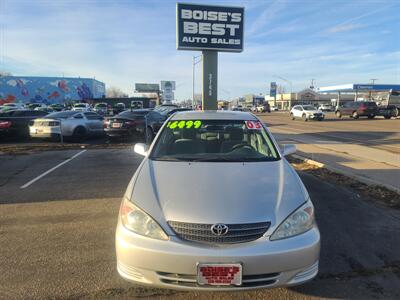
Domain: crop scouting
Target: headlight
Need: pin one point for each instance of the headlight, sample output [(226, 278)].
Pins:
[(298, 222), (136, 220)]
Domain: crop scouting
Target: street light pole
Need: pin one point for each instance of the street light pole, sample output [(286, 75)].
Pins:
[(288, 81), (373, 80)]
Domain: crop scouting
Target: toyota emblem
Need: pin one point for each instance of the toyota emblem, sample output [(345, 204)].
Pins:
[(219, 229)]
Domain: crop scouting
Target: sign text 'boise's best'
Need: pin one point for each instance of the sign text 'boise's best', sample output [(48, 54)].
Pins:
[(208, 27)]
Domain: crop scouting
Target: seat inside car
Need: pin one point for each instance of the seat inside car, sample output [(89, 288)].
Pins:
[(188, 143), (235, 137)]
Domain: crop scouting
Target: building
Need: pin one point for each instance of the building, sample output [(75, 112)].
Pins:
[(253, 100), (148, 90), (306, 96), (338, 94), (49, 90)]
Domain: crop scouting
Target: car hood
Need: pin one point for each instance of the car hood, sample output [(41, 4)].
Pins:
[(315, 111), (211, 192)]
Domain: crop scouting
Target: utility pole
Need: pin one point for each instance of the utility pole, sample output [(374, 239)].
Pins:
[(312, 83), (373, 80)]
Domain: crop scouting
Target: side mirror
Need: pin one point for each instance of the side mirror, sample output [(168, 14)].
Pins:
[(141, 149), (288, 149)]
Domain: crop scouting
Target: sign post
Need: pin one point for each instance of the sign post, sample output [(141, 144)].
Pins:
[(209, 28), (272, 92)]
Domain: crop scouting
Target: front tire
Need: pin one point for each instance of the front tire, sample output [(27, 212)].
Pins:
[(305, 119), (292, 116)]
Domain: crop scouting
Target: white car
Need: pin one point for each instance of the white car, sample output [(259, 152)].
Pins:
[(325, 107), (274, 108), (306, 112), (215, 206), (81, 107)]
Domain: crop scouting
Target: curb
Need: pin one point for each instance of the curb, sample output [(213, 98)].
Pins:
[(359, 178)]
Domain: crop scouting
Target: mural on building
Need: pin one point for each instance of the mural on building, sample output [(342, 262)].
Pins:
[(48, 90)]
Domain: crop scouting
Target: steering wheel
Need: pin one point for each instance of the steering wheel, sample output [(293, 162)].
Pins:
[(246, 146)]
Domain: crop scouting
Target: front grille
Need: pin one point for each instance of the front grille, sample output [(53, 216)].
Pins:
[(256, 280), (237, 233)]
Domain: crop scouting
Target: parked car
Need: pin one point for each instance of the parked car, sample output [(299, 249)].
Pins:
[(274, 108), (81, 107), (134, 123), (325, 107), (101, 108), (306, 112), (11, 106), (169, 111), (118, 108), (16, 122), (226, 229), (71, 124), (35, 105), (263, 108), (57, 107), (358, 109)]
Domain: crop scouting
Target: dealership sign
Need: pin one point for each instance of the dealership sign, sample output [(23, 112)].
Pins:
[(209, 27), (272, 89)]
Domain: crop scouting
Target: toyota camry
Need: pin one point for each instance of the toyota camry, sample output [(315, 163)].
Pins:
[(215, 205)]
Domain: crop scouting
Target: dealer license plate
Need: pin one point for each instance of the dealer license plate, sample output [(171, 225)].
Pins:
[(219, 274)]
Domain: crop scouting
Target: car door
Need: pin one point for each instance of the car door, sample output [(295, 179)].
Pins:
[(94, 122), (294, 110), (298, 111), (156, 120)]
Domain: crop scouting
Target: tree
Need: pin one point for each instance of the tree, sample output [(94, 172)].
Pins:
[(115, 92), (4, 73), (281, 89)]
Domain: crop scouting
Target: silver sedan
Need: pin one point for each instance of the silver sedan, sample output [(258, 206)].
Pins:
[(214, 205)]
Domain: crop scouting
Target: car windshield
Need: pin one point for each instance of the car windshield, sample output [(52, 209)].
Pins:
[(214, 140), (80, 105), (132, 113), (101, 105), (308, 107), (61, 115)]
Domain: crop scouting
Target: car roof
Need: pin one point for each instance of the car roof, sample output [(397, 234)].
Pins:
[(213, 115)]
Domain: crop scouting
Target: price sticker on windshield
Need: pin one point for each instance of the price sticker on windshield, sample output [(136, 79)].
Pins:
[(184, 124), (253, 125)]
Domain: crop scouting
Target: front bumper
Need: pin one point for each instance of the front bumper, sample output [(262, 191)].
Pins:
[(172, 264), (316, 117)]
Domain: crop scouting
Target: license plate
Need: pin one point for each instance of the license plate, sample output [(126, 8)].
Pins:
[(39, 130), (116, 125), (219, 274)]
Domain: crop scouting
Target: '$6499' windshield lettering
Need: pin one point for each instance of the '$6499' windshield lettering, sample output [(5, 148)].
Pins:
[(184, 124)]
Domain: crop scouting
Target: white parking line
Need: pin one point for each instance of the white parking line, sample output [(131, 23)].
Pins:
[(51, 170)]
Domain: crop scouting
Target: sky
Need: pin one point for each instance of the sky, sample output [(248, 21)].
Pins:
[(123, 42)]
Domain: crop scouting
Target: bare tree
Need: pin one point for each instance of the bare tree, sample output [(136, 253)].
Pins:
[(281, 89), (4, 73), (115, 92)]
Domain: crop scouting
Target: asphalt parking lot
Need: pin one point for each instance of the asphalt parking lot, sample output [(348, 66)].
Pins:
[(57, 233)]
